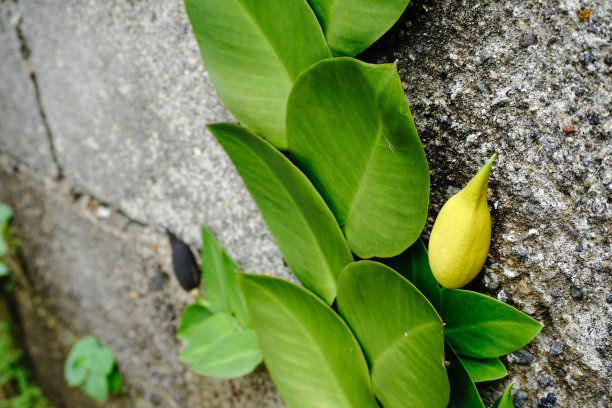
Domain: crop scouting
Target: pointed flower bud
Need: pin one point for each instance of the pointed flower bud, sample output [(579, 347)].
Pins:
[(461, 235)]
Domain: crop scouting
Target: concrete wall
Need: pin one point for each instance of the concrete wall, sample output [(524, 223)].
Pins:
[(103, 145)]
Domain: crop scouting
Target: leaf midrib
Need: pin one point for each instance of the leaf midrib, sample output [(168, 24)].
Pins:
[(303, 328)]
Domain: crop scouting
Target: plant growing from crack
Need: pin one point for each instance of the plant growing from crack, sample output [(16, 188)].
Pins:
[(331, 156)]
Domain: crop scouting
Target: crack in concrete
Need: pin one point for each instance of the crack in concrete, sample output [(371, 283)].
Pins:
[(25, 54)]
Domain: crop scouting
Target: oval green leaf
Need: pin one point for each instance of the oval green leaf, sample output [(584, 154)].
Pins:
[(505, 401), (481, 370), (217, 347), (463, 391), (311, 354), (351, 26), (351, 131), (96, 387), (219, 276), (303, 226), (400, 332), (482, 327), (253, 51)]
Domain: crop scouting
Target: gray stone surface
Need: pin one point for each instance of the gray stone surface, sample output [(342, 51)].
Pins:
[(22, 130), (516, 77), (126, 99), (109, 277)]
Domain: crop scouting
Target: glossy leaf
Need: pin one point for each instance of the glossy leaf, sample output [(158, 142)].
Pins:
[(482, 327), (253, 51), (413, 264), (351, 131), (481, 370), (193, 314), (400, 332), (351, 26), (311, 354), (115, 381), (219, 275), (463, 391), (304, 228), (505, 401), (217, 347)]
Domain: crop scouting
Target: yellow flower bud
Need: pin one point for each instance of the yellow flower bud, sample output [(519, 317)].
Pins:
[(460, 238)]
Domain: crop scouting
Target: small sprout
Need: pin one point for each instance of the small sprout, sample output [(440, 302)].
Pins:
[(185, 266)]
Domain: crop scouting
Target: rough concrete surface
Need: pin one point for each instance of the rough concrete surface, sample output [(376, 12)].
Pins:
[(119, 99)]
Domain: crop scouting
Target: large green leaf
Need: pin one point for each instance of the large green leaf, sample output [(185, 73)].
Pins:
[(351, 131), (400, 332), (253, 51), (482, 327), (219, 275), (75, 369), (96, 387), (304, 228), (413, 264), (463, 391), (217, 347), (505, 401), (351, 26), (311, 354), (481, 370)]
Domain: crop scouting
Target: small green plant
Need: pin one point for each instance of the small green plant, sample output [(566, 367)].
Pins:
[(5, 236), (329, 151), (92, 367), (16, 390), (220, 338)]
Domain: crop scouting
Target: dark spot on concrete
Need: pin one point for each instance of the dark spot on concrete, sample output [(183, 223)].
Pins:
[(556, 293), (527, 39), (520, 398), (576, 292), (594, 120), (545, 381), (579, 92), (521, 357), (556, 348), (520, 253), (549, 401)]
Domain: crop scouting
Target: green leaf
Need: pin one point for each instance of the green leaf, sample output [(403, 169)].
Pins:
[(505, 401), (481, 370), (114, 381), (100, 361), (202, 336), (253, 51), (75, 367), (351, 26), (3, 246), (236, 355), (5, 213), (96, 387), (464, 393), (400, 332), (192, 314), (219, 275), (311, 354), (351, 131), (304, 228), (482, 327), (217, 347), (413, 264), (4, 270)]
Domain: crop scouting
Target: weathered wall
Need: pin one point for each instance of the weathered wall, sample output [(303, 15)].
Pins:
[(103, 107)]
